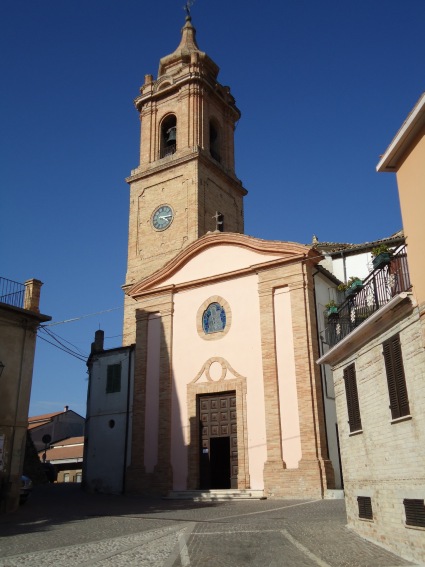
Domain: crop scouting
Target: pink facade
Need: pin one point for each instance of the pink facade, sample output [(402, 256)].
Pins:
[(181, 364)]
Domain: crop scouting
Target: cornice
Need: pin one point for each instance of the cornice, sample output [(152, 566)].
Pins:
[(197, 153), (290, 251)]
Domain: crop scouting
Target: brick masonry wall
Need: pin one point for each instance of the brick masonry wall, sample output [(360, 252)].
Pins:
[(386, 461)]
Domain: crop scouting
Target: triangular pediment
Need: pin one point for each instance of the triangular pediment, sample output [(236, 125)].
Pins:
[(222, 255)]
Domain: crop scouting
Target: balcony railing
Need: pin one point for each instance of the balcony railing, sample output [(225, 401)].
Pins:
[(380, 286), (12, 293)]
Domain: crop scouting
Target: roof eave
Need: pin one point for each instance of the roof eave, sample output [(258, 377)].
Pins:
[(392, 157)]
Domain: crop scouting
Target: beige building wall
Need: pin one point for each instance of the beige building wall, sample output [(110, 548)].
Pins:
[(18, 331), (411, 190), (405, 156)]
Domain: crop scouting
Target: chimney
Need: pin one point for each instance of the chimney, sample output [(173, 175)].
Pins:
[(66, 408), (97, 346)]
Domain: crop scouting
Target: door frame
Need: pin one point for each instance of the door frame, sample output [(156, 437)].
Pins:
[(203, 384)]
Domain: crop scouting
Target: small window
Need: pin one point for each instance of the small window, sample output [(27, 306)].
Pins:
[(66, 477), (415, 512), (365, 507), (353, 407), (113, 380), (399, 401)]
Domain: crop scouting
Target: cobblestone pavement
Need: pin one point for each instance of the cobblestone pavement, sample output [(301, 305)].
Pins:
[(62, 526)]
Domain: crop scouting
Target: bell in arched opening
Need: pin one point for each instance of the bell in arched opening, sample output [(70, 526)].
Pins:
[(170, 136)]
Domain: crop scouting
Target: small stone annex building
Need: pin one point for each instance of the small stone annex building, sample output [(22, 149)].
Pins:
[(226, 391)]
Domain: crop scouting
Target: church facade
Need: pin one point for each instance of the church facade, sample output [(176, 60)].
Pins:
[(226, 392)]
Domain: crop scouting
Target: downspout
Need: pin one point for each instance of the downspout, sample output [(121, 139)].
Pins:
[(344, 266)]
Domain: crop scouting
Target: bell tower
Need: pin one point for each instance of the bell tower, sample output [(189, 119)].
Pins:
[(185, 184)]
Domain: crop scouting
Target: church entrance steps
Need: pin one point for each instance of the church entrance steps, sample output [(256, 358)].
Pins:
[(216, 495), (334, 494)]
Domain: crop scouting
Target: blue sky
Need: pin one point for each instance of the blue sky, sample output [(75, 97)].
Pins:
[(322, 86)]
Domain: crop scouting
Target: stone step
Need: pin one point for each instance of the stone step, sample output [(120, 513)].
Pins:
[(334, 494), (216, 495)]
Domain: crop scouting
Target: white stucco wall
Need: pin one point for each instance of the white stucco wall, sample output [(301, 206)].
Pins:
[(107, 436), (358, 265), (325, 291)]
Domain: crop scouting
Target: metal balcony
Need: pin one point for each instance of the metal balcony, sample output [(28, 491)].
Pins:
[(12, 293), (380, 286)]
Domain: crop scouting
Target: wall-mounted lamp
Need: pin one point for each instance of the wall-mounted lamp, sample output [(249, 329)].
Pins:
[(1, 368)]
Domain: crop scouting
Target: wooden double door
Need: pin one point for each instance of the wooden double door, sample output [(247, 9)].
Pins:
[(218, 441)]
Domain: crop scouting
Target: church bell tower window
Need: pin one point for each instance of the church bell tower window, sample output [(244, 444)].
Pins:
[(168, 136), (214, 142)]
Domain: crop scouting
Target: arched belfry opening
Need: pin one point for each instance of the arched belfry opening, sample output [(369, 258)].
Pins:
[(168, 136), (214, 141)]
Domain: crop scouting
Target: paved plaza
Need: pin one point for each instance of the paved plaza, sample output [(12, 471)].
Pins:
[(62, 526)]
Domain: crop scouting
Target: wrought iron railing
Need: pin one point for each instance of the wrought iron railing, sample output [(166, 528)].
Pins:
[(380, 286), (12, 293)]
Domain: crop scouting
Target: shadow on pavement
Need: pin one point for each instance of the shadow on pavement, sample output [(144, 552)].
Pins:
[(54, 504)]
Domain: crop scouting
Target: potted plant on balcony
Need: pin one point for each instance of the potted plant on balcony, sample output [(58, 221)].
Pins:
[(381, 256), (353, 285), (331, 309)]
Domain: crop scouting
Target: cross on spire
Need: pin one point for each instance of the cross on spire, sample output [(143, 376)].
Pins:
[(187, 6)]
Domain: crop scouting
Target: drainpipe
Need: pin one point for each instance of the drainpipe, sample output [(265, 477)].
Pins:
[(344, 265)]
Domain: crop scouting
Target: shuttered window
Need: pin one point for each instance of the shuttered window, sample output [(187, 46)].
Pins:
[(415, 512), (399, 401), (365, 507), (113, 378), (354, 420)]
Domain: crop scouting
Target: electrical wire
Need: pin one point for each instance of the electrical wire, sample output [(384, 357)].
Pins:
[(56, 337), (67, 352), (81, 317)]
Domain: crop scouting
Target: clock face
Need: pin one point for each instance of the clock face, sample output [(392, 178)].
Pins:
[(162, 217)]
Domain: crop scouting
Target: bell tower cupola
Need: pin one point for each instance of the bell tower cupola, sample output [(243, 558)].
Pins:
[(185, 184)]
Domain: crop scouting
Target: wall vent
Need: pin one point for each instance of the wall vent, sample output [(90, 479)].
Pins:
[(415, 512), (365, 507)]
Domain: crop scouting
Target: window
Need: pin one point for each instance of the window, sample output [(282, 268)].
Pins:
[(365, 507), (415, 512), (214, 142), (113, 380), (66, 477), (399, 401), (168, 136), (352, 398)]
